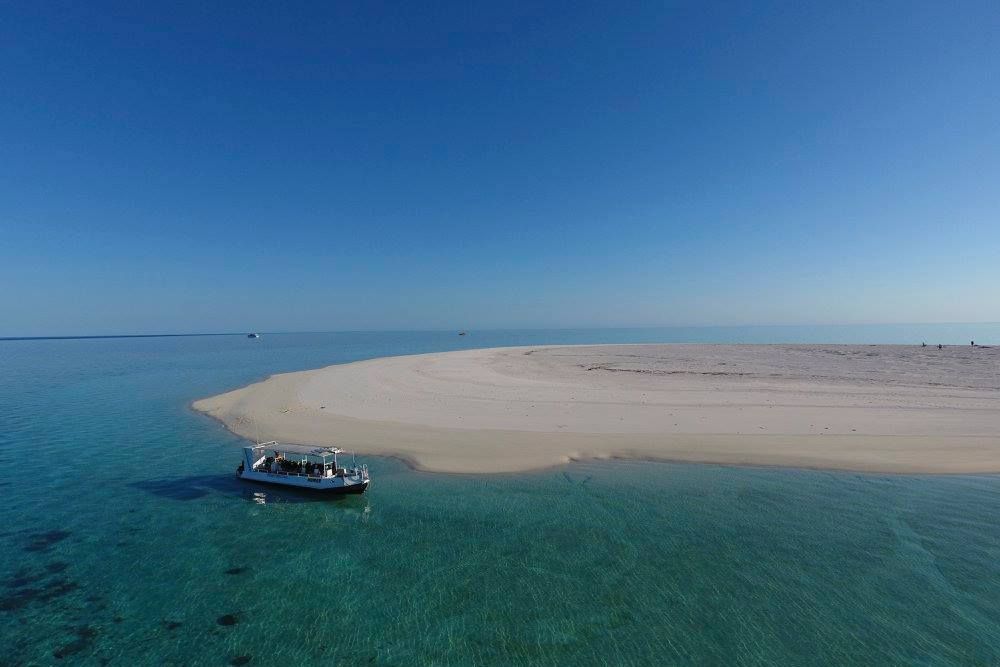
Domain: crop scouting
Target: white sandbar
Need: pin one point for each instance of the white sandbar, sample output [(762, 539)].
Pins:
[(867, 408)]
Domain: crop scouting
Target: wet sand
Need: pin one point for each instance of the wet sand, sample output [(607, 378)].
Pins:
[(880, 408)]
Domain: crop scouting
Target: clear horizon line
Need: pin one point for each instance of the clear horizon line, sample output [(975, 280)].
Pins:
[(436, 330)]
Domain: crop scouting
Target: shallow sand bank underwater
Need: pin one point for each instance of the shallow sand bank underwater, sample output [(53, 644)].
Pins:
[(881, 408)]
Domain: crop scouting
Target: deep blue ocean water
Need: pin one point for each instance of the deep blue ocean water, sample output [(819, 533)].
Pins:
[(127, 540)]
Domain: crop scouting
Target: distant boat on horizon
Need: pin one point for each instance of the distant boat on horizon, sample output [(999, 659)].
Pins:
[(253, 335)]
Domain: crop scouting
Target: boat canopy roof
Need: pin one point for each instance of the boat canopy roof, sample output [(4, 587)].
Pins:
[(320, 452)]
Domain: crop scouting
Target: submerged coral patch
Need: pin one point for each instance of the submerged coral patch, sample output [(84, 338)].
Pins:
[(23, 595), (22, 577), (84, 638), (44, 541)]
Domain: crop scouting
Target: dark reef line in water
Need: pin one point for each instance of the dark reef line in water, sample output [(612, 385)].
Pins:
[(45, 586)]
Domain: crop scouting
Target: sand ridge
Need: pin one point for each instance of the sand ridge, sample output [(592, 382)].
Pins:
[(867, 408)]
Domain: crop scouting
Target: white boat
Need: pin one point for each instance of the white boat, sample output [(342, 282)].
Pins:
[(314, 468)]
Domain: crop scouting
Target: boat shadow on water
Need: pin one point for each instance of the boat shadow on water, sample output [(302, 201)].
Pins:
[(194, 487)]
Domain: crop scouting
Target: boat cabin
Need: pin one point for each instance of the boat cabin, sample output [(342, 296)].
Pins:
[(275, 458)]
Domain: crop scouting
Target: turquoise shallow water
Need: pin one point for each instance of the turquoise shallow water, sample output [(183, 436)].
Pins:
[(127, 540)]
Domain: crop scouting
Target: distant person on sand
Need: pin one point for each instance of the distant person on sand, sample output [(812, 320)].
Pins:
[(972, 343), (939, 346)]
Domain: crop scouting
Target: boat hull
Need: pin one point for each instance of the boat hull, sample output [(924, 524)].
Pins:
[(324, 485)]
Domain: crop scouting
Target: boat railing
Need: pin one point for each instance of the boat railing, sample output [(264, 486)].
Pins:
[(340, 472), (290, 474)]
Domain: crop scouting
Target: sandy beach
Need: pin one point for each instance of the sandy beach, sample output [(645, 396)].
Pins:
[(902, 409)]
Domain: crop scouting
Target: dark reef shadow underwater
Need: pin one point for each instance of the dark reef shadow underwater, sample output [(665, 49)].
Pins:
[(193, 487)]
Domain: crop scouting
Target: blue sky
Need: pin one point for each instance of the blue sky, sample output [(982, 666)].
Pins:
[(276, 166)]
